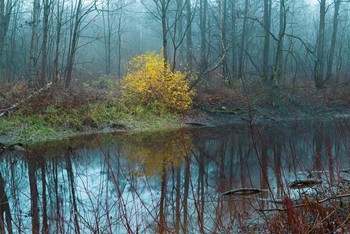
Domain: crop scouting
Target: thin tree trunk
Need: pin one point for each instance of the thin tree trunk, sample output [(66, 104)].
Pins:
[(46, 5), (203, 30), (162, 204), (44, 198), (74, 44), (119, 63), (234, 38), (177, 200), (186, 192), (189, 44), (319, 70), (5, 16), (56, 76), (243, 41), (223, 23), (164, 9), (334, 39), (33, 63), (266, 49)]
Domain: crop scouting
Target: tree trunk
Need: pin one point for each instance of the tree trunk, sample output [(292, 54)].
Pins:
[(74, 44), (46, 5), (334, 39), (5, 16), (33, 55), (243, 41), (319, 70), (203, 30), (267, 27), (223, 23), (164, 9), (60, 8), (277, 69), (189, 44), (234, 37)]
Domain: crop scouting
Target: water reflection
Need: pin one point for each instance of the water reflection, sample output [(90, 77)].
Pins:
[(167, 181)]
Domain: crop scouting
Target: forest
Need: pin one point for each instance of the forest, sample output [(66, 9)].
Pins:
[(174, 116), (282, 42), (276, 58)]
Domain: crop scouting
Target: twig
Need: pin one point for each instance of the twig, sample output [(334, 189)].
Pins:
[(307, 204)]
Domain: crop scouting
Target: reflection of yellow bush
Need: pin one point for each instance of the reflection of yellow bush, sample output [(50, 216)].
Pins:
[(148, 81), (156, 152)]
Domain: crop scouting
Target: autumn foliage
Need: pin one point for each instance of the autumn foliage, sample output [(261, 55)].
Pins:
[(149, 81)]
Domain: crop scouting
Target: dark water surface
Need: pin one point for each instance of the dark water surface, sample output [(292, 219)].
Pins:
[(169, 181)]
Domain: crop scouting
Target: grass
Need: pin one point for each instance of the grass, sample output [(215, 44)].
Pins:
[(57, 113), (58, 122)]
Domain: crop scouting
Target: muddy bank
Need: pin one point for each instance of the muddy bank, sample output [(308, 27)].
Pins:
[(282, 116)]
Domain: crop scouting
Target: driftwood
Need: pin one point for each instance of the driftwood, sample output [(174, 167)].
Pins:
[(244, 192), (14, 106), (304, 183)]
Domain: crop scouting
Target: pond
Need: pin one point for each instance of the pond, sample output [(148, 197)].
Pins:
[(199, 180)]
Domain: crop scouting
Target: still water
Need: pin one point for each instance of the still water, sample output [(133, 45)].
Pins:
[(167, 182)]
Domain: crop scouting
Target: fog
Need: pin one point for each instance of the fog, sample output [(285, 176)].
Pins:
[(68, 41)]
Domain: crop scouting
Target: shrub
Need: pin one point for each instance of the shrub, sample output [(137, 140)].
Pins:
[(148, 81)]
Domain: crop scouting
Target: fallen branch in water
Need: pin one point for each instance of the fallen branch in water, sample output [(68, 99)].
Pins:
[(304, 183), (14, 106), (244, 192)]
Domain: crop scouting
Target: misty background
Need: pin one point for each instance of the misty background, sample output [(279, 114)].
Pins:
[(281, 42)]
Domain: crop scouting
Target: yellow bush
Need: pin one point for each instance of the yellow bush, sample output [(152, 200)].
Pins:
[(148, 81)]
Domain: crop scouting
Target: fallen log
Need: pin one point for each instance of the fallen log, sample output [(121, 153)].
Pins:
[(5, 111), (244, 192), (304, 183)]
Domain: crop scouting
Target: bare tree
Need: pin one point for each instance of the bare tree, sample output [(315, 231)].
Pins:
[(33, 54), (113, 24), (46, 5), (59, 14), (161, 13), (267, 29), (5, 16), (189, 42), (319, 66), (203, 9), (334, 38), (79, 13)]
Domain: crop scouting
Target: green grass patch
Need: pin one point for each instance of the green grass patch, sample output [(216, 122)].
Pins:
[(57, 122)]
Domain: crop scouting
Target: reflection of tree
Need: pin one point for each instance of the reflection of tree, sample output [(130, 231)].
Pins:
[(162, 204), (4, 208), (44, 199), (186, 191), (156, 150), (72, 188), (34, 195)]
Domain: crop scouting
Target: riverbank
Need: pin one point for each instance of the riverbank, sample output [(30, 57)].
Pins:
[(57, 114)]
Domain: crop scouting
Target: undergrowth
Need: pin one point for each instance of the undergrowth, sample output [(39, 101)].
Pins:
[(58, 114)]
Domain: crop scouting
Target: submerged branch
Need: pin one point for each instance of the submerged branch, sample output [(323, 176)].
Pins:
[(243, 192)]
